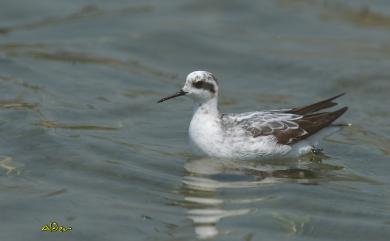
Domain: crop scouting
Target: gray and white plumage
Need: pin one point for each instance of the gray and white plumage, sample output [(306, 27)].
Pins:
[(252, 135)]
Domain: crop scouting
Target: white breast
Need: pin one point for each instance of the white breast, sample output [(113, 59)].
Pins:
[(206, 134)]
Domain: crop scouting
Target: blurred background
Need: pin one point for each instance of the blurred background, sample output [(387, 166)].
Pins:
[(84, 143)]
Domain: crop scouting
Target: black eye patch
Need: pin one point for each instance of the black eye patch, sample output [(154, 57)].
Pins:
[(204, 85)]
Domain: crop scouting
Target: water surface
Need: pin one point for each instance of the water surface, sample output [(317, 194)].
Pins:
[(85, 144)]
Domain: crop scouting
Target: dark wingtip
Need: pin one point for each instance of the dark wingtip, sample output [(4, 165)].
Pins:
[(340, 111), (337, 96), (324, 104), (333, 98)]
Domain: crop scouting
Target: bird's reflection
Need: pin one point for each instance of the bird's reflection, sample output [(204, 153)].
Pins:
[(205, 185), (204, 207)]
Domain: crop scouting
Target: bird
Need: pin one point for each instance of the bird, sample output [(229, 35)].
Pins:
[(255, 135)]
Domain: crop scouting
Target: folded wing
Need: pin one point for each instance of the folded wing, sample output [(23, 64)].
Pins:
[(288, 126)]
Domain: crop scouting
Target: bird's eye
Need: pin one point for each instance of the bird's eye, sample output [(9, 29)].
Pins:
[(204, 85), (198, 84)]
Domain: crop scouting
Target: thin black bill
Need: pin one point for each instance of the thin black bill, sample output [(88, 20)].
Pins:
[(179, 93)]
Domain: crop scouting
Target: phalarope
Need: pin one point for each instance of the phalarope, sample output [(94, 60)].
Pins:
[(253, 135)]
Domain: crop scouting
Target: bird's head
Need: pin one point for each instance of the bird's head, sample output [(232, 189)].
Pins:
[(200, 86)]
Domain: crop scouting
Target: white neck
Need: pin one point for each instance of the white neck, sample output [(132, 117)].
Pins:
[(205, 129), (209, 107)]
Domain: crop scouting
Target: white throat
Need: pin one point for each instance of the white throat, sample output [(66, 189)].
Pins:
[(209, 107), (205, 129)]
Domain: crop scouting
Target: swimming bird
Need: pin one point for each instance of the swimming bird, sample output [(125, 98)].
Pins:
[(254, 135)]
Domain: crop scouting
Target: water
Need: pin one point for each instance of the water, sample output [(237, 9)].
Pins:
[(83, 142)]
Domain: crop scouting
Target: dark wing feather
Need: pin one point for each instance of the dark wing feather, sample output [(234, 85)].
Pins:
[(311, 124), (288, 126), (315, 107)]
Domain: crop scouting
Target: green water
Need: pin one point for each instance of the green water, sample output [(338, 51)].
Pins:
[(84, 143)]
